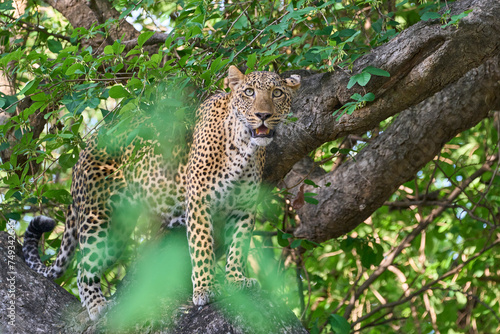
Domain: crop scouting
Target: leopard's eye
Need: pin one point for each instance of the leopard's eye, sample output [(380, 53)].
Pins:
[(277, 93), (249, 92)]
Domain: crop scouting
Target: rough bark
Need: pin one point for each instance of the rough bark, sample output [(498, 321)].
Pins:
[(30, 303), (81, 13), (443, 81), (422, 60), (39, 305), (416, 137)]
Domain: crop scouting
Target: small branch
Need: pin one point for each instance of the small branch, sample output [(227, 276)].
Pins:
[(407, 204), (427, 286), (471, 295), (391, 256), (30, 27), (383, 322), (157, 38)]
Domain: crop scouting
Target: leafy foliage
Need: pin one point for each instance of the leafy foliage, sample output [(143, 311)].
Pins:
[(65, 89)]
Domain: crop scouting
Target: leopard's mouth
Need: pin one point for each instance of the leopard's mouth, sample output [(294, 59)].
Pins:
[(262, 132)]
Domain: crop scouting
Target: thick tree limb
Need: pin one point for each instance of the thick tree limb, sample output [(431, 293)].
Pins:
[(443, 81), (81, 13), (422, 60), (30, 303), (360, 187)]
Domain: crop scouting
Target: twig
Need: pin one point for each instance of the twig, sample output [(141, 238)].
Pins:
[(429, 285), (391, 256), (30, 27), (85, 136)]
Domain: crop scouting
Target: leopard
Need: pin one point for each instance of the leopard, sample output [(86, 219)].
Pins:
[(210, 190)]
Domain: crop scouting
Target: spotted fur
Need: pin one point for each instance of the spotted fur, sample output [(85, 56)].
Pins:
[(212, 190)]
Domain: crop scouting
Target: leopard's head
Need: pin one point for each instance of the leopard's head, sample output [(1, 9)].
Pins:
[(261, 100)]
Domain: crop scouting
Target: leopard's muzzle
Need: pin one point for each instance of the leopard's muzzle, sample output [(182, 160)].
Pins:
[(262, 132)]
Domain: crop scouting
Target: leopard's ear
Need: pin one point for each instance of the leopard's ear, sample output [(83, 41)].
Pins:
[(234, 78), (293, 82)]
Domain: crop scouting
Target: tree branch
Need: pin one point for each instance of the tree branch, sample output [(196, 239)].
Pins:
[(81, 13), (429, 285), (31, 303), (391, 256), (359, 187), (30, 27)]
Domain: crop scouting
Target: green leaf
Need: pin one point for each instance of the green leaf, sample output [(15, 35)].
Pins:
[(311, 183), (13, 193), (9, 101), (252, 59), (363, 78), (13, 215), (144, 37), (118, 91), (126, 12), (352, 82), (401, 3), (311, 200), (347, 32), (220, 24), (360, 78), (12, 180), (376, 71), (430, 16), (368, 256), (368, 97), (282, 240), (241, 23), (344, 151), (356, 97), (73, 68), (339, 324), (39, 97), (27, 87), (60, 195), (267, 59), (68, 160), (377, 25), (309, 244), (134, 83), (7, 5), (456, 18), (108, 50), (54, 45), (296, 243)]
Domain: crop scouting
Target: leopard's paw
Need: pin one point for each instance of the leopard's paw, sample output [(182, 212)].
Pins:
[(244, 283), (202, 296), (95, 309)]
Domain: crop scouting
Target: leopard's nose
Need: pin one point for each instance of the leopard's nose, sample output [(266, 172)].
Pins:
[(263, 115)]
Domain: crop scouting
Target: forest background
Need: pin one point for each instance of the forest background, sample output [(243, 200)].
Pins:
[(383, 210)]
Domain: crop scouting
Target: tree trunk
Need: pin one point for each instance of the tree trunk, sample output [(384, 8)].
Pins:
[(31, 303)]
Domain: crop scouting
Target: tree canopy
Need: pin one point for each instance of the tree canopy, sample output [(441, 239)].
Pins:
[(382, 211)]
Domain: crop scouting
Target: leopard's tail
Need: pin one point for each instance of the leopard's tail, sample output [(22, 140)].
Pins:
[(36, 228)]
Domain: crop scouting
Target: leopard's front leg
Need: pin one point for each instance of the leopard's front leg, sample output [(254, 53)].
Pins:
[(201, 248), (238, 233)]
